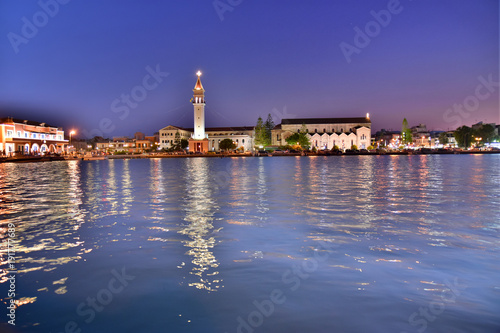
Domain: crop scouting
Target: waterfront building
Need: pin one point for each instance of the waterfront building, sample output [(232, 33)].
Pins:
[(421, 136), (389, 139), (124, 145), (325, 133), (202, 139), (26, 137)]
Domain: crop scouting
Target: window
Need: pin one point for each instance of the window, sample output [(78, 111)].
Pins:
[(315, 130), (34, 135), (59, 137), (324, 130), (43, 136), (10, 134), (243, 141), (277, 137), (18, 134), (25, 134), (298, 131)]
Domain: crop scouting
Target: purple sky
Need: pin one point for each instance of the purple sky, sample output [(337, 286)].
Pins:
[(257, 57)]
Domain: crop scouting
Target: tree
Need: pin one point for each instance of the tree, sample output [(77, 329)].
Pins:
[(260, 135), (177, 139), (303, 129), (406, 135), (268, 126), (227, 144), (299, 138), (354, 147), (443, 138), (179, 144), (184, 143), (463, 136), (485, 132)]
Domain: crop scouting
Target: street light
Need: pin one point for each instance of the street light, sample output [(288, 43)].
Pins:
[(70, 134)]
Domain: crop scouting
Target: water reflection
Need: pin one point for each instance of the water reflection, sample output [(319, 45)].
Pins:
[(44, 202), (199, 207)]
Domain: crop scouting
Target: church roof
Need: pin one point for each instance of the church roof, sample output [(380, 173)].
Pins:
[(229, 129), (299, 121), (198, 85)]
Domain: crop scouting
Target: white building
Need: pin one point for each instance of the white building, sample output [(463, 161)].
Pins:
[(30, 137), (325, 133)]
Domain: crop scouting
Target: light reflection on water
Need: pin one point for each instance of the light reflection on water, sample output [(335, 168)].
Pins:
[(208, 237), (200, 207)]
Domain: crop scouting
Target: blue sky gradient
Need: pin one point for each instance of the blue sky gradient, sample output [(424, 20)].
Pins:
[(279, 57)]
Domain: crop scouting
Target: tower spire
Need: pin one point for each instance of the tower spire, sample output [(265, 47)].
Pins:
[(198, 85), (199, 92)]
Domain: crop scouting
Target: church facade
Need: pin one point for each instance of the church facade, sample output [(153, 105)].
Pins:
[(325, 133)]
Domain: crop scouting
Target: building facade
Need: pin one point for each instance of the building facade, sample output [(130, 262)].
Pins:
[(203, 139), (325, 133), (24, 137)]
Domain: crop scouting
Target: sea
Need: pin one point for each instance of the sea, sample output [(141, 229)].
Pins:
[(252, 244)]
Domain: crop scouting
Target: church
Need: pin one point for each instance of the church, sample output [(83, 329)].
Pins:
[(203, 139), (323, 133)]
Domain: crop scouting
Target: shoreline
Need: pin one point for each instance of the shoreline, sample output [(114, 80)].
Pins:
[(33, 159)]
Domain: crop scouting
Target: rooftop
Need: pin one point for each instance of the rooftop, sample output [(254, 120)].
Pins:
[(310, 121)]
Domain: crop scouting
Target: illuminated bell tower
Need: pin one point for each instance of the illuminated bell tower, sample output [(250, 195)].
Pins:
[(199, 140), (199, 109)]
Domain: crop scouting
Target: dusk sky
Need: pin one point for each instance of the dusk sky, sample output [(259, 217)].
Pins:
[(288, 58)]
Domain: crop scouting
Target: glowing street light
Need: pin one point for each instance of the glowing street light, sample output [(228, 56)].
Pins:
[(70, 134)]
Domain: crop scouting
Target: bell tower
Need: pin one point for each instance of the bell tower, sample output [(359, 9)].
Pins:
[(199, 109), (199, 140)]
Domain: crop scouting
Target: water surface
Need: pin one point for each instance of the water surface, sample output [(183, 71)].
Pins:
[(280, 244)]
